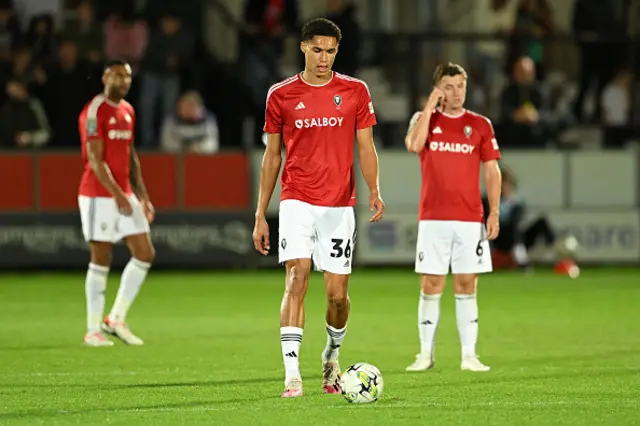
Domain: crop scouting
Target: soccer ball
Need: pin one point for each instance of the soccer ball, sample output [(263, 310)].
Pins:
[(361, 383)]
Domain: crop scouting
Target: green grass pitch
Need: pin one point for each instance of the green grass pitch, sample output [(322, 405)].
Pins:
[(562, 351)]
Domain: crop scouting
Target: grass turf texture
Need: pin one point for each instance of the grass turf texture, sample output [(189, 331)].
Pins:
[(563, 352)]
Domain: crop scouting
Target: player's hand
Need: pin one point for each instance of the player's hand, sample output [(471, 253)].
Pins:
[(376, 204), (436, 96), (493, 226), (149, 210), (124, 206), (261, 236)]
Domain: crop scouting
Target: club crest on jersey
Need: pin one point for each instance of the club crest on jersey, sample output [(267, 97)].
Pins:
[(467, 131), (337, 99)]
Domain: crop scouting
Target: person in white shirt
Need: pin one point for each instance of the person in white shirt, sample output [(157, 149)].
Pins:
[(493, 17), (616, 105), (191, 128)]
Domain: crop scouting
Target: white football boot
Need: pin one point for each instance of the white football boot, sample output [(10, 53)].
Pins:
[(96, 340), (472, 363), (424, 361), (121, 331), (293, 388)]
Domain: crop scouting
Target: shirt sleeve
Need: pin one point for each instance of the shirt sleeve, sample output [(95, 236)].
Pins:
[(366, 117), (95, 124), (273, 114), (489, 149), (132, 112), (414, 120)]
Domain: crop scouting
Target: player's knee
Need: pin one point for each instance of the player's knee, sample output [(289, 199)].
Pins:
[(297, 278), (146, 255), (464, 283), (432, 284), (339, 301)]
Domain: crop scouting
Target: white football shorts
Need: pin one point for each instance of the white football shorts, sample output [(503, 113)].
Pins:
[(101, 220), (325, 234), (444, 243)]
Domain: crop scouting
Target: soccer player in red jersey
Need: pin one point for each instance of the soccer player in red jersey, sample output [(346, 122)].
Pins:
[(316, 115), (114, 204), (451, 143)]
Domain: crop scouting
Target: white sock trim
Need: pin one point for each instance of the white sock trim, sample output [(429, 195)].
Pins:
[(139, 263), (291, 330), (334, 330), (430, 296), (99, 269)]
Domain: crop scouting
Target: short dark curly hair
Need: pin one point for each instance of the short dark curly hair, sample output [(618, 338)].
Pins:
[(320, 27), (115, 62), (450, 69)]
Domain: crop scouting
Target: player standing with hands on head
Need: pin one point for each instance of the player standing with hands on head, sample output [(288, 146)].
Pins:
[(114, 204), (451, 143), (315, 115)]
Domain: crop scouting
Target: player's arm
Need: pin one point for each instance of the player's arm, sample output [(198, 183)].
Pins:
[(418, 131), (417, 134), (370, 170), (95, 154), (137, 182), (493, 184), (271, 162), (368, 159), (489, 155), (365, 120)]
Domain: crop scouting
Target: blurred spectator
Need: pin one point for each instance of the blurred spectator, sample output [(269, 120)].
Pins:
[(521, 107), (86, 32), (71, 82), (495, 17), (344, 15), (9, 30), (593, 20), (616, 107), (41, 39), (266, 25), (24, 69), (26, 10), (511, 248), (534, 22), (170, 50), (191, 128), (126, 37), (23, 122)]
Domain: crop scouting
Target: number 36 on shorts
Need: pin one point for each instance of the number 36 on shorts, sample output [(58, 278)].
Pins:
[(324, 234)]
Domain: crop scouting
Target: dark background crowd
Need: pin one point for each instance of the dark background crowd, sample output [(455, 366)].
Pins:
[(189, 99)]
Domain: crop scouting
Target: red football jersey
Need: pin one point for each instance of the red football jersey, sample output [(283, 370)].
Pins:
[(450, 163), (318, 125), (114, 124)]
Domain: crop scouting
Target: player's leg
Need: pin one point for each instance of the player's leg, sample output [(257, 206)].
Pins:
[(292, 322), (333, 255), (337, 314), (433, 254), (135, 231), (98, 220), (296, 234), (471, 256)]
